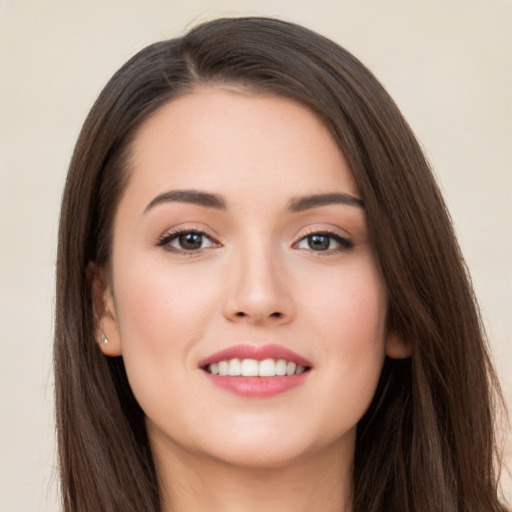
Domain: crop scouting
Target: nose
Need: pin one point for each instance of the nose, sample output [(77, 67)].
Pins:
[(258, 291)]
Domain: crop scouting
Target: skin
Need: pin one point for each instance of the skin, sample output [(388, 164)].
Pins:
[(255, 280)]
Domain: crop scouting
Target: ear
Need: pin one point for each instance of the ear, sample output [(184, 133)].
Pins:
[(397, 347), (107, 329)]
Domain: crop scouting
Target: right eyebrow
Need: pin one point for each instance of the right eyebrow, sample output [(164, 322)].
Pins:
[(197, 197), (300, 204)]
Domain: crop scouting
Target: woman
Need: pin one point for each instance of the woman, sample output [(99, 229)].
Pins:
[(261, 304)]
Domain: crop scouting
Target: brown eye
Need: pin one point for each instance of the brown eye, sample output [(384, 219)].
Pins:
[(324, 242), (186, 241), (319, 242), (190, 241)]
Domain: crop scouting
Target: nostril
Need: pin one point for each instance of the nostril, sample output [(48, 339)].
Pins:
[(275, 314)]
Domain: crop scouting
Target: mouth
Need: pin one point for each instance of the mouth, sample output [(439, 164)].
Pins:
[(256, 371), (253, 368)]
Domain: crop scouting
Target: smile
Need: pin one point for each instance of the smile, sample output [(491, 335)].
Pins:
[(257, 371), (254, 368)]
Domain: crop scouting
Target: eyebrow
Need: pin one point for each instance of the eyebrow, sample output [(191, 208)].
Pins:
[(209, 200), (301, 204), (205, 199)]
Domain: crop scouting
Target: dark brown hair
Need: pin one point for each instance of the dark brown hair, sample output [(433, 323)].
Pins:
[(427, 441)]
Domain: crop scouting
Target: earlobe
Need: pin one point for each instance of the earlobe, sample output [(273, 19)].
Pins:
[(107, 331), (397, 347)]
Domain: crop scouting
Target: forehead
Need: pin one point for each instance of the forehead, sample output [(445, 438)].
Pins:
[(233, 142)]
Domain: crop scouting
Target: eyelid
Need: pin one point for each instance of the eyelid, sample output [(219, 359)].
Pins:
[(326, 228), (173, 233), (345, 242)]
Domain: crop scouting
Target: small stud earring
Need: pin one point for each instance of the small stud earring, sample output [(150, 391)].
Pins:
[(104, 339)]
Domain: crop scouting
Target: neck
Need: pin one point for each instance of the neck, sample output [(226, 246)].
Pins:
[(320, 483)]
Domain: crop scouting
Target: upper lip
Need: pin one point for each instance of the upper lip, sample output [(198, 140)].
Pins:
[(258, 352)]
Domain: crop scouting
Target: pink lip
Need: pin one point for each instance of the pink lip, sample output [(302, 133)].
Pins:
[(258, 352), (257, 387)]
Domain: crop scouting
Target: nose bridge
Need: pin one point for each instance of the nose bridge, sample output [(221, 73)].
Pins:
[(257, 290)]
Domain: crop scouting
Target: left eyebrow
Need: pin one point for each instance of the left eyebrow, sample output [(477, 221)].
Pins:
[(300, 204), (196, 197)]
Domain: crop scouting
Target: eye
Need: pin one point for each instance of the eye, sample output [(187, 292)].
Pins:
[(186, 241), (324, 242)]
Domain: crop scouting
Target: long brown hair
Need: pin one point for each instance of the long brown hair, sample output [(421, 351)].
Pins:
[(427, 441)]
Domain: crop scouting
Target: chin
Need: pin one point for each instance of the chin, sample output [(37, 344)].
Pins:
[(273, 448), (262, 456)]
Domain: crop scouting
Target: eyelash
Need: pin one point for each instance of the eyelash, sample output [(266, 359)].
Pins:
[(166, 240), (344, 243)]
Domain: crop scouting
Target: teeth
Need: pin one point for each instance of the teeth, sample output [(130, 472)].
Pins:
[(250, 368), (223, 367), (253, 368), (290, 368), (281, 367), (234, 367), (267, 368)]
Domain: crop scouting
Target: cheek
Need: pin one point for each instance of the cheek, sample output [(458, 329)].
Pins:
[(350, 307), (162, 315), (156, 304), (351, 321)]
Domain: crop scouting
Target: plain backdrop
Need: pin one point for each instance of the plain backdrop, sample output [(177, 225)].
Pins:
[(448, 64)]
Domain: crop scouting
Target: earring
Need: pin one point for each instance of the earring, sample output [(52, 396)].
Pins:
[(104, 339)]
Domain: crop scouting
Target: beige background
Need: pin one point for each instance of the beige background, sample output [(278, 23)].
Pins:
[(447, 63)]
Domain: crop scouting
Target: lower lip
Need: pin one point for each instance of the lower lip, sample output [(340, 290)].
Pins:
[(257, 387)]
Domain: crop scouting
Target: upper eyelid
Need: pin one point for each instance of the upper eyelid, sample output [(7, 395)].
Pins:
[(345, 241), (205, 231), (328, 234), (179, 230), (164, 242), (323, 230)]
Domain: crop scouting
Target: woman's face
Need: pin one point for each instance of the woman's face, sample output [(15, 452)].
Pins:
[(240, 238)]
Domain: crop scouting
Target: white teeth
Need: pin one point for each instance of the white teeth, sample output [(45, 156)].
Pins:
[(234, 367), (253, 368), (267, 368), (290, 368), (281, 367), (250, 368), (223, 367)]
